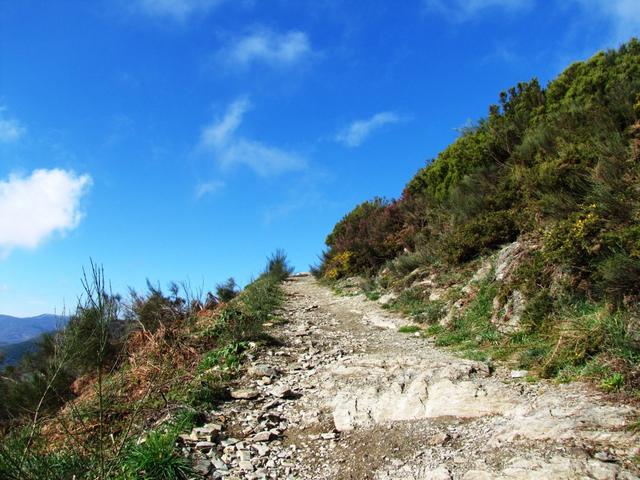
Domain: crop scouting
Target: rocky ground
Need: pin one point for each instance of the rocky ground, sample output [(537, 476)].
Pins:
[(346, 396)]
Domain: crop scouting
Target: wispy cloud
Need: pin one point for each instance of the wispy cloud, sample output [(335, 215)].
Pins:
[(10, 128), (360, 130), (220, 132), (179, 10), (206, 188), (266, 47), (623, 16), (34, 207), (464, 10), (230, 149)]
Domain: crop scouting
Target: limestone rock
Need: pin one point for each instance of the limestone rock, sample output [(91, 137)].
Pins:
[(262, 370), (387, 391), (380, 321), (244, 394), (262, 436), (387, 298), (203, 467), (505, 260), (507, 318), (540, 469)]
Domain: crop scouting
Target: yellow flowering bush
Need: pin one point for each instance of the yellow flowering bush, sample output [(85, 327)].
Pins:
[(339, 266), (575, 238)]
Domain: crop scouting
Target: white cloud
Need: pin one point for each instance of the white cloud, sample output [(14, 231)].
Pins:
[(267, 47), (360, 130), (206, 188), (10, 128), (463, 10), (179, 10), (230, 149), (34, 207), (622, 15)]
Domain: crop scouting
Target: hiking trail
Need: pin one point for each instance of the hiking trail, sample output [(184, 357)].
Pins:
[(344, 395)]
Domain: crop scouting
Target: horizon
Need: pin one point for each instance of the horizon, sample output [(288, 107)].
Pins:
[(186, 140)]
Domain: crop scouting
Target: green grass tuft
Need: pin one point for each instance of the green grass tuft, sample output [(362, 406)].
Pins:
[(155, 459), (409, 329), (613, 383)]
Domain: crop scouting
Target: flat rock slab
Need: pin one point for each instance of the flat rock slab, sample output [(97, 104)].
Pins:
[(378, 389), (557, 468)]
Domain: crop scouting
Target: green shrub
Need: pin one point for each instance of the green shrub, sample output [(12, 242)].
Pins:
[(88, 338), (187, 418), (227, 291), (338, 265), (479, 236), (533, 355), (234, 324), (538, 309), (469, 152), (404, 264), (372, 295), (575, 240), (228, 357), (278, 266), (434, 311), (155, 308), (613, 383), (434, 329), (619, 275), (368, 233)]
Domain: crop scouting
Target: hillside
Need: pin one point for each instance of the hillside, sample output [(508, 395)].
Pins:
[(107, 395), (521, 240)]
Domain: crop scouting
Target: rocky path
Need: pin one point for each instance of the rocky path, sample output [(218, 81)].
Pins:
[(346, 396)]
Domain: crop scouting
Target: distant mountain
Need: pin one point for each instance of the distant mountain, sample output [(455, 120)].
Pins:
[(16, 330)]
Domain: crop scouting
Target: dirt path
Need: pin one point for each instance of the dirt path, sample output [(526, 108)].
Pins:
[(346, 396)]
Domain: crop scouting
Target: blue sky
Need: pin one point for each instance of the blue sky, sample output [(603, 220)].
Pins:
[(187, 139)]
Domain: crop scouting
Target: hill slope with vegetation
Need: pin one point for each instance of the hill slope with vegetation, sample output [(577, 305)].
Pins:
[(521, 240), (107, 396)]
